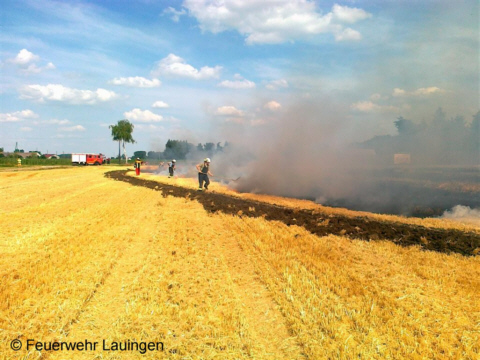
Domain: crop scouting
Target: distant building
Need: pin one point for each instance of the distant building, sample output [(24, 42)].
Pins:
[(51, 156), (23, 155)]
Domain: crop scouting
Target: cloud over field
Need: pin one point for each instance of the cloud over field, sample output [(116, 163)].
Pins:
[(273, 22), (60, 93), (17, 116), (175, 66), (28, 62), (136, 81), (143, 116)]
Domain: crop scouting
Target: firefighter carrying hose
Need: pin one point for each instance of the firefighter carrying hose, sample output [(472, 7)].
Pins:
[(203, 172), (137, 165)]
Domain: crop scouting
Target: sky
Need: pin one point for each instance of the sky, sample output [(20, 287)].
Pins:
[(213, 70)]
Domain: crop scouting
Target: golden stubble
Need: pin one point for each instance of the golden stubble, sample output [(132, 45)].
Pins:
[(85, 257), (310, 205)]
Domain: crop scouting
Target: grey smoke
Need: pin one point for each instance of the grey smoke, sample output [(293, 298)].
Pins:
[(311, 151)]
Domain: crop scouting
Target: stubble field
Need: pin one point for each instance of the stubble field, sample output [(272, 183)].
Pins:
[(87, 258)]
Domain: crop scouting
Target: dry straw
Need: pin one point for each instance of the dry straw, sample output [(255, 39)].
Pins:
[(85, 257)]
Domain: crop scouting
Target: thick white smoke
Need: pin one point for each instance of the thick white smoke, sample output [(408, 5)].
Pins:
[(463, 214), (304, 152)]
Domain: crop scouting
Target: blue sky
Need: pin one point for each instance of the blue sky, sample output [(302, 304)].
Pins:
[(204, 70)]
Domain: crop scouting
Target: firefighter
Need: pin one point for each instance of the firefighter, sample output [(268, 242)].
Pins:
[(136, 165), (171, 168), (203, 172)]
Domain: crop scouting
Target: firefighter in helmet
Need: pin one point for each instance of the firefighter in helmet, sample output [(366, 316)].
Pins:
[(203, 172), (137, 165), (171, 168)]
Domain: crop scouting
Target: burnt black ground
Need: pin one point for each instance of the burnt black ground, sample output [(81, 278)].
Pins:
[(362, 228)]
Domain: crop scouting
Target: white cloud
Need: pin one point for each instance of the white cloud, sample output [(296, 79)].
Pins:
[(428, 91), (370, 107), (365, 106), (17, 116), (26, 128), (148, 127), (275, 21), (258, 122), (27, 61), (146, 116), (272, 105), (60, 93), (34, 69), (228, 111), (277, 84), (347, 34), (72, 128), (55, 122), (240, 83), (136, 81), (419, 92), (175, 13), (160, 105), (25, 57), (349, 15), (173, 65), (399, 92), (235, 120)]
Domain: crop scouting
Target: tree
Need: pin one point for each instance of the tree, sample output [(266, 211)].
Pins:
[(154, 155), (122, 132), (176, 149), (405, 127), (140, 154)]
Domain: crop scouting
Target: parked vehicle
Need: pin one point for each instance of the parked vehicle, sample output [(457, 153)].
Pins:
[(88, 159)]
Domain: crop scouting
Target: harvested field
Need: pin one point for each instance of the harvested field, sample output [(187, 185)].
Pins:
[(322, 224), (86, 258)]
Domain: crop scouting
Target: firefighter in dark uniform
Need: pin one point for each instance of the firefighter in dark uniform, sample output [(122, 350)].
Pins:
[(137, 165), (203, 172), (171, 168)]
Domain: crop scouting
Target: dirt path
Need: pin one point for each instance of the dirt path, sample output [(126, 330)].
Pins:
[(447, 241)]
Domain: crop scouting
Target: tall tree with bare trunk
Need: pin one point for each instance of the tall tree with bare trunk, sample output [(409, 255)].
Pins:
[(122, 132)]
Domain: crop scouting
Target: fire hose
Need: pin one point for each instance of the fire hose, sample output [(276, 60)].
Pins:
[(226, 179)]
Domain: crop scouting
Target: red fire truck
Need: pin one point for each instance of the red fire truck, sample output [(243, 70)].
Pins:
[(88, 159)]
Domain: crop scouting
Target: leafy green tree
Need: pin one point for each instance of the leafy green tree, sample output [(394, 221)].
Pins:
[(154, 155), (140, 154), (405, 127), (122, 132), (209, 146), (176, 149)]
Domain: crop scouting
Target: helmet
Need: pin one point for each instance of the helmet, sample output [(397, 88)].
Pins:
[(207, 160), (174, 160)]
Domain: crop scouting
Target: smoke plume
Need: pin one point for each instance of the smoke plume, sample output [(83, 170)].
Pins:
[(312, 151)]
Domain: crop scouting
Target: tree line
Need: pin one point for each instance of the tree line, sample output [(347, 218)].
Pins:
[(442, 141), (178, 149)]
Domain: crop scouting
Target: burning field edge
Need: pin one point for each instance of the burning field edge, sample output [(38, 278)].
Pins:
[(318, 223)]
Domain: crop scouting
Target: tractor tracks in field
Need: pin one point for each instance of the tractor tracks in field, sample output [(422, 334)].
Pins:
[(318, 223), (106, 299)]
